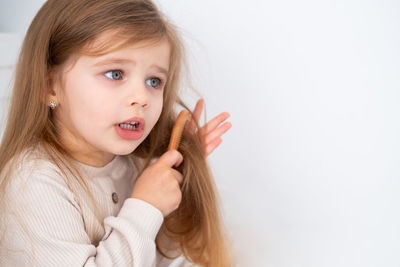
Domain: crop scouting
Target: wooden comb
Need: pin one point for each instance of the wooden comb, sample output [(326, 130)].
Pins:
[(177, 130)]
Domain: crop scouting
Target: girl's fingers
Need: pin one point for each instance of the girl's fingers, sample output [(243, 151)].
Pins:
[(212, 124), (196, 115), (213, 145), (211, 132), (210, 137), (192, 126), (198, 109)]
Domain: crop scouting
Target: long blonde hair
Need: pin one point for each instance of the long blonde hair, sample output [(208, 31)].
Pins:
[(63, 28)]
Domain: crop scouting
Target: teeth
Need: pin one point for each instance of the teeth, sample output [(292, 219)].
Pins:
[(129, 126)]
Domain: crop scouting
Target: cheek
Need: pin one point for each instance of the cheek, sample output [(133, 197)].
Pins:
[(154, 115), (159, 105), (88, 105)]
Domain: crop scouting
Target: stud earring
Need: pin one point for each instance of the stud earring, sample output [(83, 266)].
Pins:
[(52, 105)]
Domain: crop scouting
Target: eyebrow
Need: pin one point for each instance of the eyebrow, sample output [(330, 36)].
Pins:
[(123, 61)]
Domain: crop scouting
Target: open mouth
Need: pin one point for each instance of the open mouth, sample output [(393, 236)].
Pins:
[(131, 129), (132, 126)]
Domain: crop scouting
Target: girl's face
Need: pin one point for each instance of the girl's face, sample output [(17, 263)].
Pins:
[(100, 93)]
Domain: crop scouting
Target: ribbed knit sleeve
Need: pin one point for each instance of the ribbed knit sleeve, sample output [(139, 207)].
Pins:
[(44, 227)]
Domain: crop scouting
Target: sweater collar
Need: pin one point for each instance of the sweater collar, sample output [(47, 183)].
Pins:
[(115, 169)]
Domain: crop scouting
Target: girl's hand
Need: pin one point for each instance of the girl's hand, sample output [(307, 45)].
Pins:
[(159, 184), (211, 132)]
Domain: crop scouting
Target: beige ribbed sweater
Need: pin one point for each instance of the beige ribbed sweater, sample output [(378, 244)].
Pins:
[(46, 225)]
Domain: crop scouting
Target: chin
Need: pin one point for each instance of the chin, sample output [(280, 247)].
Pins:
[(125, 150)]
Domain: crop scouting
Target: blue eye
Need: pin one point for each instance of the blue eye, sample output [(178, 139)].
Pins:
[(115, 74), (154, 82)]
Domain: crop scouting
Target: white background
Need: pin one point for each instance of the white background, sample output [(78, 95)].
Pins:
[(309, 173)]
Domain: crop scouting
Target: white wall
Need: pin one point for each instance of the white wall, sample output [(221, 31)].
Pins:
[(310, 170), (9, 48), (309, 173), (16, 15)]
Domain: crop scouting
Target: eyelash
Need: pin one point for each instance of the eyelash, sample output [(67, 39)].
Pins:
[(161, 81)]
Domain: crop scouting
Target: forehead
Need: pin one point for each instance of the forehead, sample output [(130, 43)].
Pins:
[(116, 45), (117, 39), (153, 56)]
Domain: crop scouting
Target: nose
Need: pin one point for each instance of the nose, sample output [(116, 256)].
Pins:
[(139, 96), (138, 103)]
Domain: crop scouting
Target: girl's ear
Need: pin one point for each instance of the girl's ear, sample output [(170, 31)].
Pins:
[(52, 88)]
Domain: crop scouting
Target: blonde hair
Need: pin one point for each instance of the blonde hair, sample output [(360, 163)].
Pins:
[(63, 28)]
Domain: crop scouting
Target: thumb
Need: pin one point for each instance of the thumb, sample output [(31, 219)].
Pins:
[(171, 158)]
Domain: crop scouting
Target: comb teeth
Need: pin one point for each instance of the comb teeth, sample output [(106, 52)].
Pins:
[(177, 130)]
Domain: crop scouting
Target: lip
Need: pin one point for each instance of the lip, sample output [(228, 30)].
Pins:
[(128, 134), (137, 119)]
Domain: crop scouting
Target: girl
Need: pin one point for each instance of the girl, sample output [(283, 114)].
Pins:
[(85, 176)]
